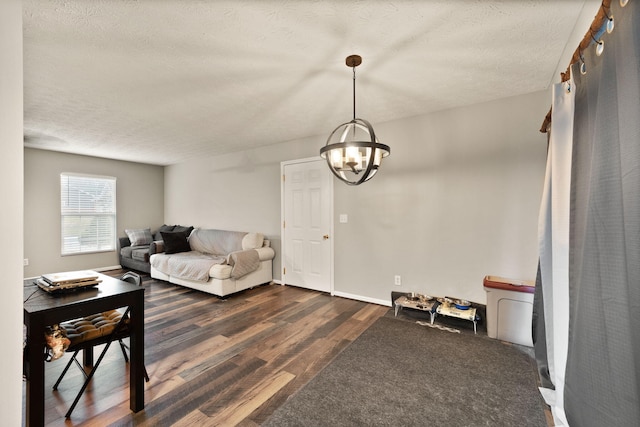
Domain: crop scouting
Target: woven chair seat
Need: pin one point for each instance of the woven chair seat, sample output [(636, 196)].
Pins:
[(91, 327)]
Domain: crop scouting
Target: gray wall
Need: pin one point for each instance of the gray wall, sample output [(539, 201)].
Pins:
[(239, 191), (457, 199), (139, 204), (11, 110)]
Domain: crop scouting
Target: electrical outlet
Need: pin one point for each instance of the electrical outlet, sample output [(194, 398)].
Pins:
[(397, 280), (26, 261)]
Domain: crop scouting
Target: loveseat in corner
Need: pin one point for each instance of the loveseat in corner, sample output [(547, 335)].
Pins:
[(218, 262)]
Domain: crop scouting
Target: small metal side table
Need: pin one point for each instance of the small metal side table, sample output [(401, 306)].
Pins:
[(452, 311), (426, 306)]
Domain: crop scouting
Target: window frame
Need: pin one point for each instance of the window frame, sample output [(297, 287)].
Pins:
[(101, 244)]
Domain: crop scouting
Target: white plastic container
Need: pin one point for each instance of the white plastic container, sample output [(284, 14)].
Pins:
[(509, 309)]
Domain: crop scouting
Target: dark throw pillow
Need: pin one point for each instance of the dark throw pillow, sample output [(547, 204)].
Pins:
[(175, 241), (183, 228), (164, 228)]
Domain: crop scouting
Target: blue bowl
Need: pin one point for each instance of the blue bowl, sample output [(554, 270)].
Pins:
[(462, 304)]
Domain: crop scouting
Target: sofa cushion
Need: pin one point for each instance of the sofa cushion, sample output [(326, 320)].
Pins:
[(140, 236), (220, 271), (252, 241), (141, 254), (186, 265), (175, 242), (127, 251)]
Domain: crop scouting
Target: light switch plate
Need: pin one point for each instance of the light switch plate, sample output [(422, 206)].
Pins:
[(344, 218)]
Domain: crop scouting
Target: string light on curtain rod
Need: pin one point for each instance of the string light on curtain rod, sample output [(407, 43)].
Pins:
[(603, 22), (610, 23), (599, 45), (352, 151)]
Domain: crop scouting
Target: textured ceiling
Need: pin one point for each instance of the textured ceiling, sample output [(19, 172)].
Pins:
[(169, 80)]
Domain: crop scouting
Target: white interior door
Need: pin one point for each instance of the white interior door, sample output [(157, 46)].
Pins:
[(306, 224)]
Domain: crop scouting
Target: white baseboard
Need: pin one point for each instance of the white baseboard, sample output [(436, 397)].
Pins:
[(113, 267), (363, 299), (350, 296)]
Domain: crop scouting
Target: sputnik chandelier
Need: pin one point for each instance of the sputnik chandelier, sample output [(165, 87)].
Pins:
[(353, 152)]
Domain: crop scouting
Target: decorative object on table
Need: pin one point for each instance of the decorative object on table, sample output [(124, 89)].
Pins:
[(353, 151)]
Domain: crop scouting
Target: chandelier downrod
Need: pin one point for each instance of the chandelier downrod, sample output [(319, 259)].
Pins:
[(353, 61)]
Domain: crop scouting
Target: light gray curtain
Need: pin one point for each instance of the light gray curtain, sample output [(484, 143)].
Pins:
[(552, 284), (602, 380)]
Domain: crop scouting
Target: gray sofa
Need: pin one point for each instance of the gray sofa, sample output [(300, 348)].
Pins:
[(136, 257)]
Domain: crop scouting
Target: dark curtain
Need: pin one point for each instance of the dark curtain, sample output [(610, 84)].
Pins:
[(602, 382)]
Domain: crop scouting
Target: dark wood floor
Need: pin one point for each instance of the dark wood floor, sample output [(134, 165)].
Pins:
[(214, 361)]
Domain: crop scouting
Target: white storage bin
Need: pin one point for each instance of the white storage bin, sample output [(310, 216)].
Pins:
[(509, 309)]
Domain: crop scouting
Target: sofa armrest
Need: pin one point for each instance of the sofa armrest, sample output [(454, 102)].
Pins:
[(243, 262), (156, 247), (266, 253)]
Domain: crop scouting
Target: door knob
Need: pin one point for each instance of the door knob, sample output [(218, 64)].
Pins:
[(325, 237)]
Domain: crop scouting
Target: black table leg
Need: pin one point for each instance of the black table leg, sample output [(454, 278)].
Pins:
[(35, 373), (136, 368)]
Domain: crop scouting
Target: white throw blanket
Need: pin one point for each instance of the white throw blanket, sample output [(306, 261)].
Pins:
[(186, 265)]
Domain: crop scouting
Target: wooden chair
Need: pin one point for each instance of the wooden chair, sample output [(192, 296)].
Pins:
[(88, 332)]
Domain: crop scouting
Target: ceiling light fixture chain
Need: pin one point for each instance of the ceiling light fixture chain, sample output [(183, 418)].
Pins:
[(357, 154)]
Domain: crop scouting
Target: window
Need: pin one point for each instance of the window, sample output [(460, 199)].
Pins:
[(88, 213)]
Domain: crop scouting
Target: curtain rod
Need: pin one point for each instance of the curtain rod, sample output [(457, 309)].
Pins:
[(596, 25)]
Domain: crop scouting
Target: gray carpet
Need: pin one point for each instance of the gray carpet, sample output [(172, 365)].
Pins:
[(401, 373)]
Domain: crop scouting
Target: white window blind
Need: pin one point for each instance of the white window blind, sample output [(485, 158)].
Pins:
[(88, 213)]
